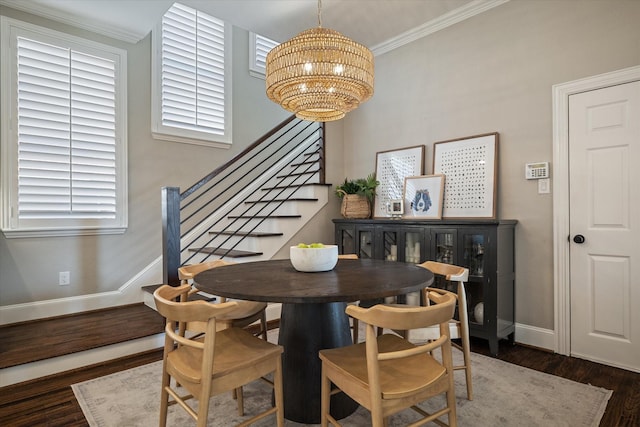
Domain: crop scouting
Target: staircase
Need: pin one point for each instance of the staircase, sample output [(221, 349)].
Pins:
[(249, 208)]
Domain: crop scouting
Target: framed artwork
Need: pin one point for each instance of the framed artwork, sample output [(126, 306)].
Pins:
[(392, 167), (423, 196), (470, 167)]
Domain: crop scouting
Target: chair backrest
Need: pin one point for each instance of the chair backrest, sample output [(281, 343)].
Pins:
[(450, 272), (188, 272), (195, 316), (348, 256), (406, 317)]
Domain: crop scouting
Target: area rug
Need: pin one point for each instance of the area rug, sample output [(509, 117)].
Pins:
[(504, 395)]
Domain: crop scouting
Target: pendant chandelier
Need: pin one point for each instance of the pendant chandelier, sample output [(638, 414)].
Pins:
[(320, 75)]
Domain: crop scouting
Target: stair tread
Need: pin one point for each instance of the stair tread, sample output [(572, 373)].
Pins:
[(298, 199), (299, 173), (248, 234), (234, 253), (279, 187), (263, 216), (36, 340)]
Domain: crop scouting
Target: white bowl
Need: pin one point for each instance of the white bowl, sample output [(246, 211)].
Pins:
[(311, 260)]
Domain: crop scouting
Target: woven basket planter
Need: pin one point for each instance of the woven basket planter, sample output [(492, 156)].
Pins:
[(355, 206)]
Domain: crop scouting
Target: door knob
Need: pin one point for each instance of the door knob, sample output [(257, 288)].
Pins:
[(578, 238)]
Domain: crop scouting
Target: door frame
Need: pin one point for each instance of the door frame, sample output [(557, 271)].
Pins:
[(560, 167)]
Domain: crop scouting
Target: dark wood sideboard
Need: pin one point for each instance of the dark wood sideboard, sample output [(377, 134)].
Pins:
[(485, 247)]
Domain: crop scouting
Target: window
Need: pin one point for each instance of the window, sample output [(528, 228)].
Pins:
[(63, 134), (191, 78), (258, 49)]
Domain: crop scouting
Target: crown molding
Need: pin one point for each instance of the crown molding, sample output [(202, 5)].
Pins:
[(94, 26), (470, 10)]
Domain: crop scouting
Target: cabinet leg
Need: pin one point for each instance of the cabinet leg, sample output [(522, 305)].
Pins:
[(493, 346)]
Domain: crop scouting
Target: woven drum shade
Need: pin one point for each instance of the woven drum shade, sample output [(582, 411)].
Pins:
[(320, 75)]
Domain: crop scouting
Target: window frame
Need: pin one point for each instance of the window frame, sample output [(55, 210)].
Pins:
[(10, 222), (189, 136)]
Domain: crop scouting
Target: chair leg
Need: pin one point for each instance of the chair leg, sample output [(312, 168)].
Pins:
[(240, 398), (467, 368), (325, 396), (451, 403), (164, 400), (278, 394), (263, 325), (203, 410), (356, 330)]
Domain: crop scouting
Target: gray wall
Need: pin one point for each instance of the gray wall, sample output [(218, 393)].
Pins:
[(494, 73)]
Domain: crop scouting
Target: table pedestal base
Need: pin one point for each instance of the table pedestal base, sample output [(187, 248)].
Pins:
[(306, 329)]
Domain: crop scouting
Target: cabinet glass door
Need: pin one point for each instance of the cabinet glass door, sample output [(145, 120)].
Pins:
[(443, 249), (346, 240), (413, 247), (365, 243), (473, 255), (390, 244), (473, 249)]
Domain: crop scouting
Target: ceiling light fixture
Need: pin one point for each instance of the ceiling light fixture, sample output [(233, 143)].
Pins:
[(320, 75)]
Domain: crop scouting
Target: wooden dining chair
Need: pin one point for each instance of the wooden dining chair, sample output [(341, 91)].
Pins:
[(246, 312), (387, 374), (459, 327), (216, 361)]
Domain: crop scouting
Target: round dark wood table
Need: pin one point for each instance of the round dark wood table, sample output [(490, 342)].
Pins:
[(313, 315)]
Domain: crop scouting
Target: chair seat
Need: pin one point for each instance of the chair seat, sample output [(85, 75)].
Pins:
[(396, 380), (241, 350)]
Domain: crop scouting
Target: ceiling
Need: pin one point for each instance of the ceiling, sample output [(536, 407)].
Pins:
[(370, 22)]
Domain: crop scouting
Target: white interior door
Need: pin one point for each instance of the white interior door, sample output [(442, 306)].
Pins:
[(604, 193)]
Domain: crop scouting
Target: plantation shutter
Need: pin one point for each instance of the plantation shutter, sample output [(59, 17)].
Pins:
[(66, 133), (262, 46), (193, 78)]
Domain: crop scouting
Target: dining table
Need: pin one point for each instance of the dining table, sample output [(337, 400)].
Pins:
[(313, 315)]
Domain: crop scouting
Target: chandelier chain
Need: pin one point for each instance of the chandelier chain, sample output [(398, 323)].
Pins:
[(319, 13)]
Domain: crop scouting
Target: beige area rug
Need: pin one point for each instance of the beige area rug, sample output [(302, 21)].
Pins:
[(504, 395)]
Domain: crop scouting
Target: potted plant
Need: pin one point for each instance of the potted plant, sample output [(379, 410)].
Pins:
[(357, 196)]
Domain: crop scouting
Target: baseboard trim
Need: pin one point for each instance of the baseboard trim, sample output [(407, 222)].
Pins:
[(535, 337)]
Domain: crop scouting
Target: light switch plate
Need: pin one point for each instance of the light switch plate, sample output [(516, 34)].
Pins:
[(543, 186)]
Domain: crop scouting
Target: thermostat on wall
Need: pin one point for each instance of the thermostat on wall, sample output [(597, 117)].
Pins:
[(536, 170)]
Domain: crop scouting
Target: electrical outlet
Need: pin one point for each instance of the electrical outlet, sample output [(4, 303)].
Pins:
[(64, 278)]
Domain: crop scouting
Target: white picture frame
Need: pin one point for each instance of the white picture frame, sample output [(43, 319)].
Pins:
[(392, 167), (470, 167), (423, 196)]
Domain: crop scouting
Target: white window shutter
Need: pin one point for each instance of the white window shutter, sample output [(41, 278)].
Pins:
[(66, 133), (260, 47), (193, 71)]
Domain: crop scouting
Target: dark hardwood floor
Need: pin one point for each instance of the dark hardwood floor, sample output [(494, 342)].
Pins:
[(50, 401)]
